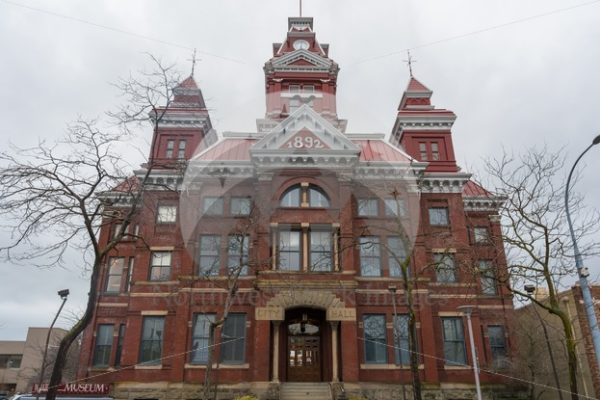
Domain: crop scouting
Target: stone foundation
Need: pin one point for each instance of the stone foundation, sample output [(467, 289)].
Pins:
[(270, 391)]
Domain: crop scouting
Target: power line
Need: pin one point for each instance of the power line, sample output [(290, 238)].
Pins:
[(119, 30), (478, 31)]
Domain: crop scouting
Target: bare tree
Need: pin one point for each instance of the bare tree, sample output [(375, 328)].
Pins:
[(57, 197), (535, 231)]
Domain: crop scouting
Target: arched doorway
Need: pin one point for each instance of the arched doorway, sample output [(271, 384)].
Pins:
[(304, 329)]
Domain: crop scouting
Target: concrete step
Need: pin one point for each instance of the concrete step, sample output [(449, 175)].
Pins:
[(305, 390)]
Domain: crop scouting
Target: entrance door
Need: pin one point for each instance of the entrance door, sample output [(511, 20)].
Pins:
[(304, 350)]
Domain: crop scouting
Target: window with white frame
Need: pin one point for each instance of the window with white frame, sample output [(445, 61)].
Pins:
[(454, 341), (240, 206), (396, 255), (321, 258), (237, 254), (166, 214), (394, 207), (160, 268), (200, 338), (290, 250), (116, 266), (209, 255), (370, 256), (445, 268), (438, 216), (181, 149), (368, 207)]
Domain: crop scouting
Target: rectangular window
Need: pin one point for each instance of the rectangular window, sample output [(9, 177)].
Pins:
[(423, 151), (103, 346), (394, 207), (200, 338), (240, 206), (289, 250), (401, 341), (181, 149), (481, 234), (368, 207), (119, 350), (497, 345), (375, 339), (10, 361), (454, 341), (233, 339), (170, 147), (308, 88), (115, 274), (212, 206), (166, 214), (396, 255), (237, 254), (435, 152), (320, 250), (294, 88), (445, 270), (487, 277), (209, 260), (439, 216), (370, 260), (160, 269), (152, 340)]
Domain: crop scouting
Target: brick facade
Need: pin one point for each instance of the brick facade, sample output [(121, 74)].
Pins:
[(302, 144)]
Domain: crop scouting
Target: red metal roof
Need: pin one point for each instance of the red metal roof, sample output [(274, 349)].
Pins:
[(472, 189), (189, 83), (378, 150), (416, 86), (229, 150)]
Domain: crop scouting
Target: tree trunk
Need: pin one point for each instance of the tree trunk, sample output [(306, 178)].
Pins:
[(572, 354), (74, 332), (412, 330), (208, 372)]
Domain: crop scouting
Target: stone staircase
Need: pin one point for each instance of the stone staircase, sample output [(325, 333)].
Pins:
[(305, 390)]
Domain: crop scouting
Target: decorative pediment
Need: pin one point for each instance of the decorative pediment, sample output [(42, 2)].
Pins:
[(301, 59), (305, 132)]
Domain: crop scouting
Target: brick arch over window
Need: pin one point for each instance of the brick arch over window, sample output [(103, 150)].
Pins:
[(334, 307)]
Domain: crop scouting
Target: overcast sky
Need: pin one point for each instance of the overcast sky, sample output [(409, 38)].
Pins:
[(523, 84)]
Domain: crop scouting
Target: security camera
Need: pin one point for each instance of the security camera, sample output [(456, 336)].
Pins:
[(63, 293)]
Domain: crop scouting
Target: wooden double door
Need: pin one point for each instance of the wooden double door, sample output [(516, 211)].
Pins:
[(304, 349)]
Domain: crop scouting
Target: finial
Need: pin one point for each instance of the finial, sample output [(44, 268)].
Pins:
[(193, 60), (409, 61), (300, 4)]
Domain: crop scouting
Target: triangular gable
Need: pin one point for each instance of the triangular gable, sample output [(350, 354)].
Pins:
[(314, 134), (305, 55)]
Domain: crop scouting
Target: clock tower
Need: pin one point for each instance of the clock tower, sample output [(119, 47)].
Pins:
[(300, 72)]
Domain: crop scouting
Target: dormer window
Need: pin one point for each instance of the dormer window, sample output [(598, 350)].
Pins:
[(435, 152), (423, 151)]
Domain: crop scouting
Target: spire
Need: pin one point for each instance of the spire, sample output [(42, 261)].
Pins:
[(188, 94), (416, 95)]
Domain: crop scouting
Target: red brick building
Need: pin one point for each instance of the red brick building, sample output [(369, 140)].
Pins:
[(302, 226)]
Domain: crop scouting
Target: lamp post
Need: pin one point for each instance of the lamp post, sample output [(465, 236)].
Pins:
[(468, 310), (582, 271), (63, 295)]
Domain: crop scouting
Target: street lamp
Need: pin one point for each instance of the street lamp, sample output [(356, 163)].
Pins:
[(63, 295), (468, 310), (582, 271)]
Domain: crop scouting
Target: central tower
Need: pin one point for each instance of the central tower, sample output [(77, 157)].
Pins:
[(300, 72)]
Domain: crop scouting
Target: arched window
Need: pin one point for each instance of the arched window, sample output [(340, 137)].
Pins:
[(304, 196), (317, 198), (292, 197)]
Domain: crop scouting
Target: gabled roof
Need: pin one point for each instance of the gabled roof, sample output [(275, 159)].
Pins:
[(305, 119)]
